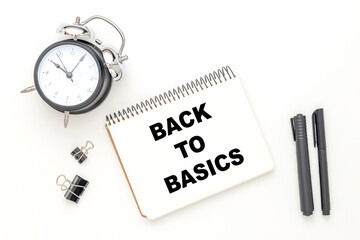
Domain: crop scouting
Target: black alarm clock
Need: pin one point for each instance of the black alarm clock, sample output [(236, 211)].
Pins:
[(75, 75)]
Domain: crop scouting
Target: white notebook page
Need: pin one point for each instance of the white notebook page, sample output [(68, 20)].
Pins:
[(148, 162)]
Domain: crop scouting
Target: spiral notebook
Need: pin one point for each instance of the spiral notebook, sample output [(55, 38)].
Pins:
[(188, 143)]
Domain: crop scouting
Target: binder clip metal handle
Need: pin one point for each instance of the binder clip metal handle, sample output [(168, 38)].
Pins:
[(73, 189), (80, 153), (86, 148)]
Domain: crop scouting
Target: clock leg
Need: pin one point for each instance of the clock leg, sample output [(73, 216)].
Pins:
[(28, 89), (66, 118)]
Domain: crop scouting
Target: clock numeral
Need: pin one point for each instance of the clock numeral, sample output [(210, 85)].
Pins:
[(67, 98), (79, 97), (91, 66), (60, 54), (56, 93), (72, 52), (93, 78), (48, 84), (89, 90), (46, 73)]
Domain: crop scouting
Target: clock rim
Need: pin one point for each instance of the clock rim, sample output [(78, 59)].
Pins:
[(87, 47)]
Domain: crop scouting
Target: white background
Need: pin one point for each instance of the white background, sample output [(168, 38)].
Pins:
[(292, 56)]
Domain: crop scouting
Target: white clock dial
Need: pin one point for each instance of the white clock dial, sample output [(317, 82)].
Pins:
[(68, 75)]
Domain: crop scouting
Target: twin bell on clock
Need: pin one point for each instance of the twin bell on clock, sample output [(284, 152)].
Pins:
[(74, 75)]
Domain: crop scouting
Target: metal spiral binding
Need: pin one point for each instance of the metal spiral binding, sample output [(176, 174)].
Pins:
[(176, 93)]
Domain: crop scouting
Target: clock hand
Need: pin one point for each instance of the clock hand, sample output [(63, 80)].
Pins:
[(58, 66), (68, 74), (62, 63), (80, 60)]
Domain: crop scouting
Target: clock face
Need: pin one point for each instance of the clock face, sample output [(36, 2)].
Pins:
[(68, 74)]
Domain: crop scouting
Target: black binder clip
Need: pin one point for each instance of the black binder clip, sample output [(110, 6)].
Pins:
[(73, 189), (80, 153)]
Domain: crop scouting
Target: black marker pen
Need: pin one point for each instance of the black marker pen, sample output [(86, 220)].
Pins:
[(319, 140), (298, 124)]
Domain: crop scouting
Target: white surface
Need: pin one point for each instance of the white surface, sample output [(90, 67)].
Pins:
[(291, 57), (225, 130)]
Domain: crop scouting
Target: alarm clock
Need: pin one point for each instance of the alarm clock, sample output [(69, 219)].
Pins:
[(75, 75)]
